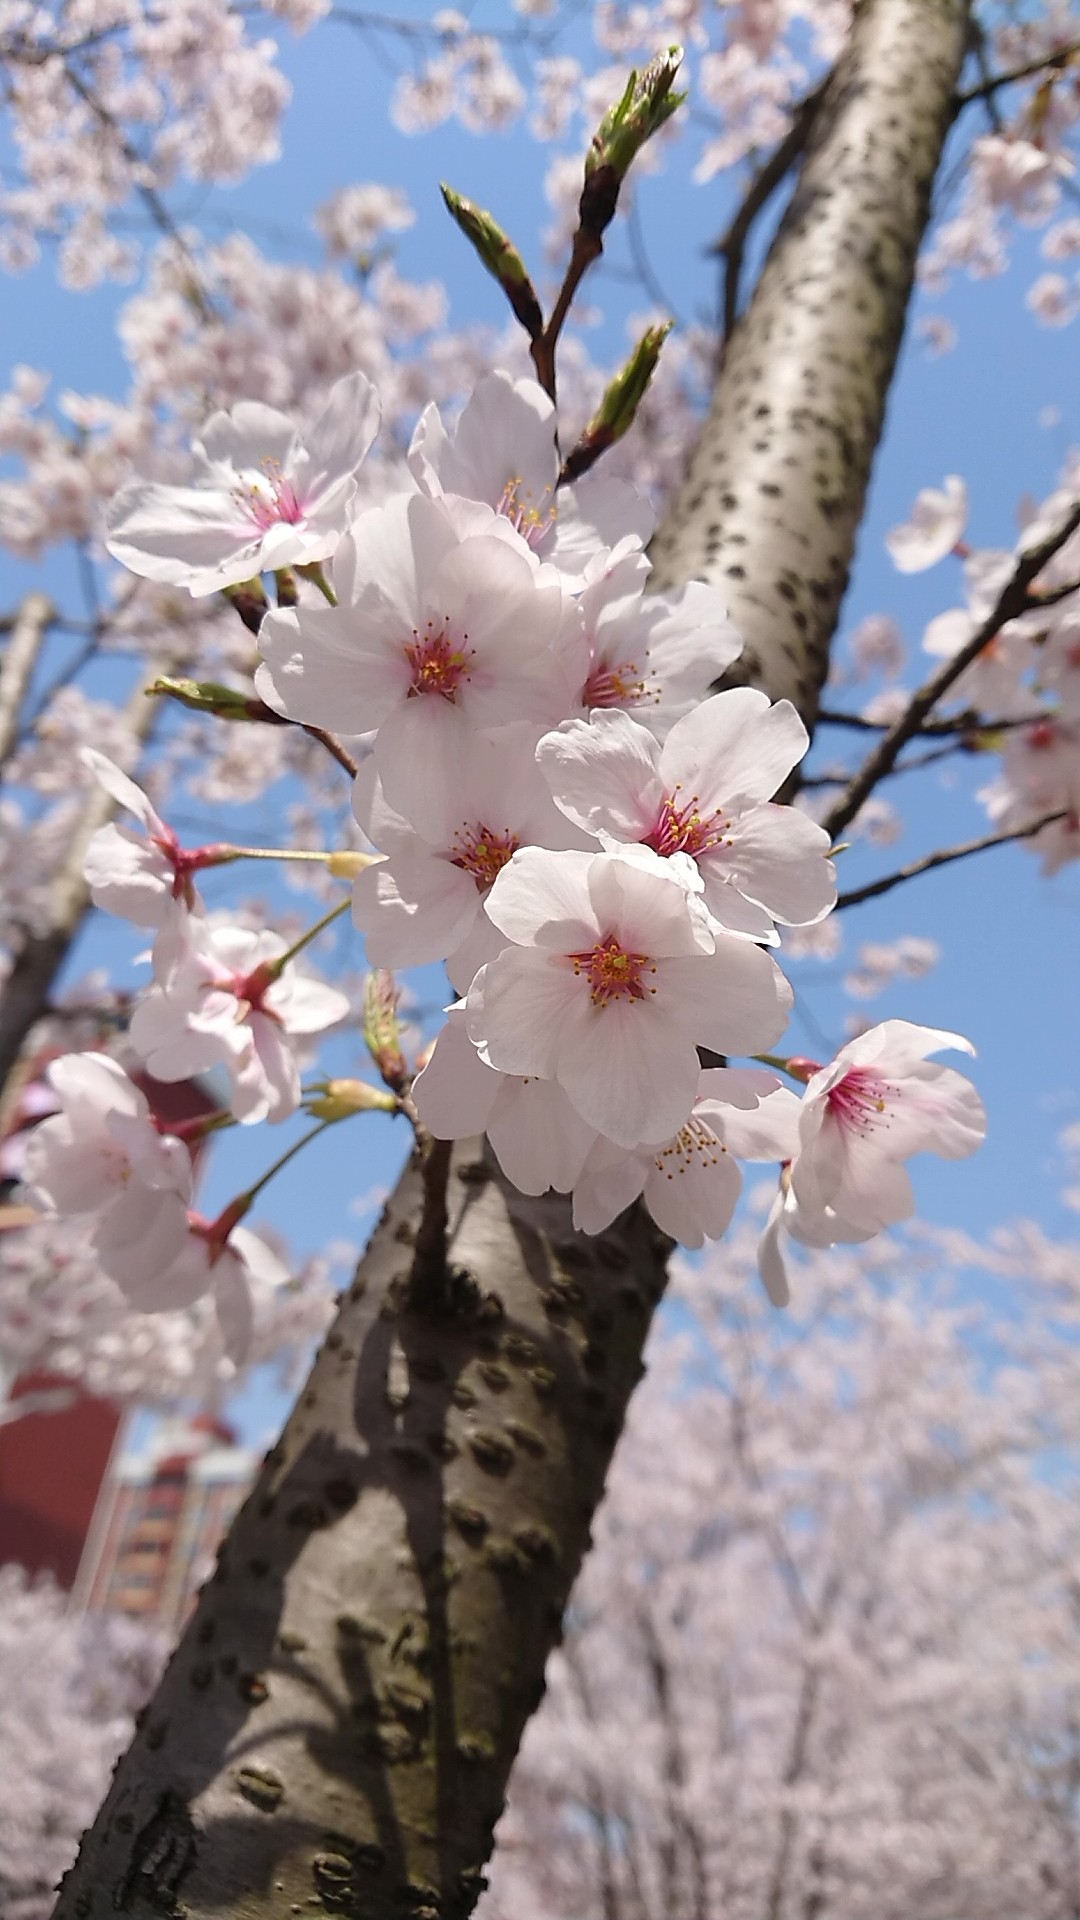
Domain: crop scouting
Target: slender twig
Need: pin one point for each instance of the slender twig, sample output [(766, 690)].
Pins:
[(732, 245), (1013, 600), (587, 247), (992, 83), (968, 722), (333, 746), (151, 199), (943, 859)]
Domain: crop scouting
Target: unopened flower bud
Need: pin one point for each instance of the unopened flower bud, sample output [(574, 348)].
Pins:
[(340, 1098), (381, 1029), (249, 601), (618, 408), (346, 865), (646, 104), (499, 256), (209, 696)]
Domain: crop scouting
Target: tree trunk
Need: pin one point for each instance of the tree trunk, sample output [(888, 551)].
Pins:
[(336, 1730), (775, 489)]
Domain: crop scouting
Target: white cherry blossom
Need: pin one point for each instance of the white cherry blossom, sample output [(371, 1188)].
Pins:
[(503, 451), (937, 521), (445, 625), (138, 878), (612, 982), (706, 792), (224, 1001), (692, 1182), (879, 1101), (103, 1155), (467, 816), (539, 1139), (265, 496)]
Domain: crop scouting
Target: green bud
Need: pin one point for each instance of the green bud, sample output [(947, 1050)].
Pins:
[(618, 408), (499, 256), (647, 102), (207, 696), (337, 1099), (381, 1028)]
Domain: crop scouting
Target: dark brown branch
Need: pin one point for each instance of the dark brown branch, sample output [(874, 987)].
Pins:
[(968, 722), (1013, 600), (587, 247), (993, 83), (334, 747), (944, 858), (732, 245)]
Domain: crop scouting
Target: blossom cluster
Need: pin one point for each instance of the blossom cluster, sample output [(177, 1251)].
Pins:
[(560, 810)]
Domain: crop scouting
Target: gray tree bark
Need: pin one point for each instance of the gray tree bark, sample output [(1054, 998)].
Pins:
[(336, 1730)]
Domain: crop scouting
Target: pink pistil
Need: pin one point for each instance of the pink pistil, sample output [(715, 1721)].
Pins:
[(858, 1100), (279, 505), (615, 684), (684, 829)]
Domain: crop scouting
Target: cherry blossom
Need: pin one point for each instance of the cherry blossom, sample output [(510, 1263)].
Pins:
[(612, 982), (425, 901), (226, 1000), (103, 1155), (705, 793), (140, 879), (936, 524), (879, 1101), (264, 497), (445, 625), (651, 655), (692, 1182)]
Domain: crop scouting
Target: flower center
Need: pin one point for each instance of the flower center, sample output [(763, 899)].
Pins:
[(694, 1142), (858, 1100), (533, 523), (616, 683), (483, 852), (683, 828), (438, 664), (271, 499), (612, 972)]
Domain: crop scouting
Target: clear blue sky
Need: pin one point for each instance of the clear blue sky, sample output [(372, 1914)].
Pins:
[(1009, 939)]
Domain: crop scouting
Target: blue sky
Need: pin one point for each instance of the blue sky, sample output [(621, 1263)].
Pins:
[(1009, 939)]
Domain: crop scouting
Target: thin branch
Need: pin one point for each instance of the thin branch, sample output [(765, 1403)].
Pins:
[(944, 858), (151, 199), (968, 722), (993, 83), (334, 747), (732, 245), (587, 247), (1013, 600)]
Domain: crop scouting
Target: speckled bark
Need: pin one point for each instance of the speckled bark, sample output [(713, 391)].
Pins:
[(335, 1733), (775, 489), (337, 1729)]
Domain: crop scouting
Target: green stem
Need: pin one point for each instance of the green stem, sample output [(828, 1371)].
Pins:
[(313, 572), (246, 1199), (273, 853), (305, 939)]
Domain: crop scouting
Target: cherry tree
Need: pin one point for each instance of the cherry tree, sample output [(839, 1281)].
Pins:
[(573, 747)]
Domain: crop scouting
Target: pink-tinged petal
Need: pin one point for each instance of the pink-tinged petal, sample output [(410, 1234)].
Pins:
[(281, 1074), (537, 1137), (543, 898), (249, 435), (770, 1258), (733, 748), (874, 1192), (506, 434), (427, 451), (643, 903), (936, 524), (127, 877), (414, 908), (611, 1180), (520, 1007), (415, 729), (198, 538), (770, 1131), (693, 1187), (91, 1084), (233, 1305), (455, 1092), (383, 825), (69, 1174), (735, 1001), (482, 944), (897, 1045), (318, 669), (304, 1005), (778, 858), (156, 1286), (741, 1087), (629, 1071), (729, 908), (603, 774), (337, 443), (120, 788)]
